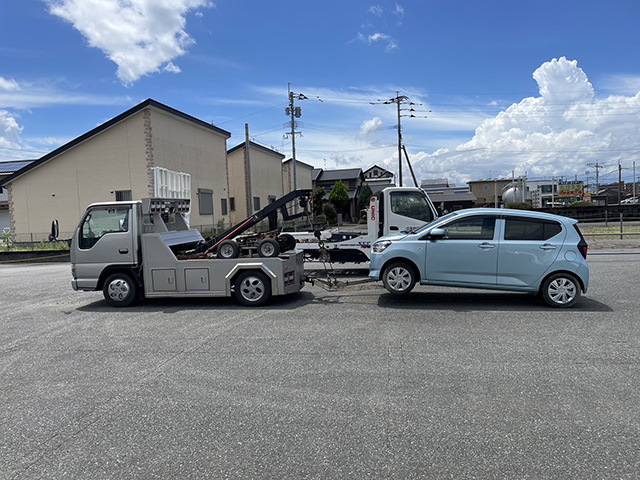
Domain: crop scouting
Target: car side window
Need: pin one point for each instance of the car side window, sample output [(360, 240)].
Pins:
[(100, 222), (530, 229), (471, 228)]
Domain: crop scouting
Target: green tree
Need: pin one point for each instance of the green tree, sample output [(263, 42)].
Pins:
[(340, 197), (319, 201), (365, 195), (329, 211)]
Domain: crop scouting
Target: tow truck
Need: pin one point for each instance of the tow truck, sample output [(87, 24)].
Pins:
[(392, 210), (145, 248)]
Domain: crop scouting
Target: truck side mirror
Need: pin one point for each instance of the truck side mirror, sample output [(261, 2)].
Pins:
[(55, 231)]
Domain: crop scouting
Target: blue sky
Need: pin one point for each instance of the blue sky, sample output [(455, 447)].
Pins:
[(538, 88)]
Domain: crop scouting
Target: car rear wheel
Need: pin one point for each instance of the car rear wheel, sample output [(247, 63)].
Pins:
[(399, 278), (561, 290)]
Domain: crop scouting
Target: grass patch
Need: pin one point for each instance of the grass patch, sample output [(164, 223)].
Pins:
[(610, 229), (35, 247)]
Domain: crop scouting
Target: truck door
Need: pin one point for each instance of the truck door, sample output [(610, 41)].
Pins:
[(407, 210), (104, 237)]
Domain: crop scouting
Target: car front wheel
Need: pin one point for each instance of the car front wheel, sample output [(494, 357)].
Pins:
[(399, 278), (561, 290)]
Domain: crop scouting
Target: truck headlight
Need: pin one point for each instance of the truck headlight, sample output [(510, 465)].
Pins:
[(380, 247)]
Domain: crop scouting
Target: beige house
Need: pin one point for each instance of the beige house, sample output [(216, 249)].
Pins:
[(303, 176), (264, 173), (149, 149)]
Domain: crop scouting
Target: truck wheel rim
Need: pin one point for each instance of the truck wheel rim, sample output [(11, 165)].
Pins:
[(119, 290), (562, 290), (399, 278), (267, 250), (252, 289), (226, 251)]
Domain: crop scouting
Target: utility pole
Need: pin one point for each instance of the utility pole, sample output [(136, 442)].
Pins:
[(619, 182), (634, 180), (294, 112), (597, 167), (247, 169), (398, 100)]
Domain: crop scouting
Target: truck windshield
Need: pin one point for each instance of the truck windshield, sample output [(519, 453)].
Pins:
[(412, 205), (102, 221)]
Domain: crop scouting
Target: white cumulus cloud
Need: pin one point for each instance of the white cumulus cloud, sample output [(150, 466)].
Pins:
[(557, 133), (9, 131), (139, 36), (8, 85)]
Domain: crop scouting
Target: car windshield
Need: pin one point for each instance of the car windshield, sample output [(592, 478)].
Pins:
[(437, 220)]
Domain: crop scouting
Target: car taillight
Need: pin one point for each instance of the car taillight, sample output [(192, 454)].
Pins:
[(583, 248)]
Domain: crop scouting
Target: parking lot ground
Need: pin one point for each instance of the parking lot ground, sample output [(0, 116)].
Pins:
[(445, 383)]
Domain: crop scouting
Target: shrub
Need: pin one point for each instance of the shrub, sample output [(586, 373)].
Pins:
[(582, 204), (331, 213), (520, 206)]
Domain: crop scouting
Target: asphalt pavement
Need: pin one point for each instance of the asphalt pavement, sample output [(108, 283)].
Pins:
[(350, 384)]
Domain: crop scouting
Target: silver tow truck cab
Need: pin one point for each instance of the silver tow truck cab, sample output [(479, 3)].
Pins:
[(137, 249)]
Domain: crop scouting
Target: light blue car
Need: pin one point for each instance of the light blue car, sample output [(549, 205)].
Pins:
[(488, 248)]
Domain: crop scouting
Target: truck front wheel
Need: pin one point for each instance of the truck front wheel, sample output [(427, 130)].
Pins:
[(252, 288), (120, 290)]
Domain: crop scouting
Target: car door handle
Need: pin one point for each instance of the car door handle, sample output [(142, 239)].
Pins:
[(394, 228), (546, 246), (123, 251), (486, 245)]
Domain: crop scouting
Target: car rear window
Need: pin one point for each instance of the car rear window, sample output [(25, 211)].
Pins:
[(530, 229)]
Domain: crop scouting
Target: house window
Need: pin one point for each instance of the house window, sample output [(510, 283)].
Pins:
[(375, 172), (256, 204), (205, 197), (123, 195), (223, 205), (232, 204)]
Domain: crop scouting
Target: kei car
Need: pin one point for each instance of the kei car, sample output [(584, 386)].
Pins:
[(488, 248)]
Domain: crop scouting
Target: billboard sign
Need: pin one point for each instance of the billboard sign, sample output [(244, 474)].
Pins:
[(571, 189)]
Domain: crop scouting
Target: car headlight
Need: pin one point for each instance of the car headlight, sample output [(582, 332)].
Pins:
[(380, 247)]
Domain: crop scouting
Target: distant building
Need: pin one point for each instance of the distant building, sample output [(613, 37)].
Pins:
[(265, 176), (488, 192), (447, 197), (6, 169), (304, 180), (352, 178)]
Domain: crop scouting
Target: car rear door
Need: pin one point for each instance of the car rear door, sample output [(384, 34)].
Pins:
[(528, 247), (468, 254)]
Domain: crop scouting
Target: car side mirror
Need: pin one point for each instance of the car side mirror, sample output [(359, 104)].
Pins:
[(437, 234)]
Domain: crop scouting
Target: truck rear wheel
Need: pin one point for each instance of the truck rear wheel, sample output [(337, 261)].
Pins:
[(252, 288), (228, 249), (268, 248), (287, 242), (120, 290)]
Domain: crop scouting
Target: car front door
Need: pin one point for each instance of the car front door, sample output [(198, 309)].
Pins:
[(528, 248), (467, 254)]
